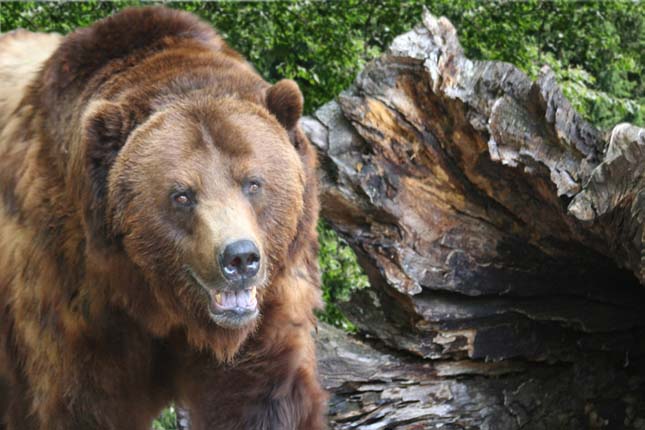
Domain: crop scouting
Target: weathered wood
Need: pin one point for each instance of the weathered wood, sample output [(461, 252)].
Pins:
[(183, 419), (377, 390), (500, 231)]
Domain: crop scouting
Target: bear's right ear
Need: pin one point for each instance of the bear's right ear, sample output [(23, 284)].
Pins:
[(285, 101), (107, 127)]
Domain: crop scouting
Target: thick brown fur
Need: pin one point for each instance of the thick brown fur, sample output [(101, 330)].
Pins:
[(101, 325)]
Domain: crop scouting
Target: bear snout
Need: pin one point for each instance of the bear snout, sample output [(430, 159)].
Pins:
[(240, 260)]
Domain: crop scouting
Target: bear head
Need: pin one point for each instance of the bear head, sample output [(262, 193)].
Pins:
[(205, 197), (196, 185)]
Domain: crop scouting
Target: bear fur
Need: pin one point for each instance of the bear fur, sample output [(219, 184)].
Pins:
[(131, 153)]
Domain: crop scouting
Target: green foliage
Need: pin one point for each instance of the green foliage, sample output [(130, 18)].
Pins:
[(61, 17), (598, 106), (341, 275), (595, 47), (167, 420)]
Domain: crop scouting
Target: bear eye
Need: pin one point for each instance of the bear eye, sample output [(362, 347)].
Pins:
[(183, 199), (252, 186)]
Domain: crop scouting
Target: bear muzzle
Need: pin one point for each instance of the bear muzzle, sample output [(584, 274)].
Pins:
[(233, 302)]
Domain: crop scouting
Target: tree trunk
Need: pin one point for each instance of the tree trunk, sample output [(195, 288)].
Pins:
[(502, 235)]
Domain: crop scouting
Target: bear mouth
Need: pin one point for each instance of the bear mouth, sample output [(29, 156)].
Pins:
[(233, 309), (230, 308), (240, 300)]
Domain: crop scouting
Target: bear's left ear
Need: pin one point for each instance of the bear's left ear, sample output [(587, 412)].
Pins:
[(106, 128), (285, 101)]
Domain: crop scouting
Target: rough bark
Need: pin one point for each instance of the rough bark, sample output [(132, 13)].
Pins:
[(373, 389), (502, 235)]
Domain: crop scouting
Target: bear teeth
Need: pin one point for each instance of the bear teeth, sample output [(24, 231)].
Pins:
[(241, 299)]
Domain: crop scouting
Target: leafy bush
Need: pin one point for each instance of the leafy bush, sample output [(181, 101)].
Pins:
[(322, 45), (341, 275), (167, 420)]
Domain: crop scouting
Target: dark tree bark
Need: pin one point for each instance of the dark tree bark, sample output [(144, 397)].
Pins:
[(502, 235)]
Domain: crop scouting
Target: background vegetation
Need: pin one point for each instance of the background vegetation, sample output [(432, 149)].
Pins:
[(596, 48)]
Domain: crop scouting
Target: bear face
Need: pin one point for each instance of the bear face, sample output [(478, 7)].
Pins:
[(206, 206)]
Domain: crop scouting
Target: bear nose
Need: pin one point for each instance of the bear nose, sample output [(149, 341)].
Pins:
[(240, 259)]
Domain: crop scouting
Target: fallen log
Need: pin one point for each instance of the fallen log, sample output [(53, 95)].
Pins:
[(502, 235)]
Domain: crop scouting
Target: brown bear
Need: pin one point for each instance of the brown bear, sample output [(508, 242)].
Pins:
[(158, 209)]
